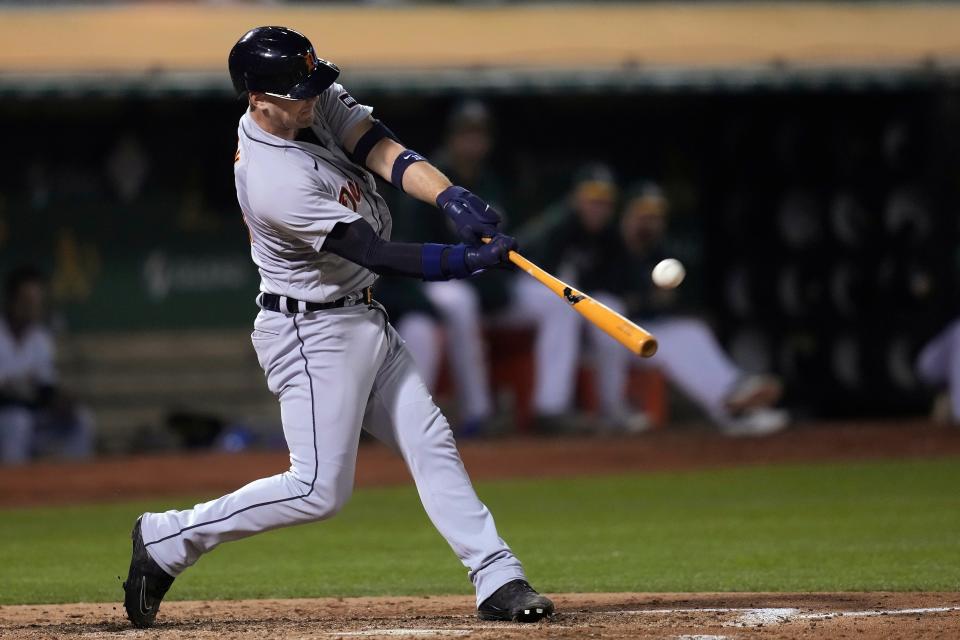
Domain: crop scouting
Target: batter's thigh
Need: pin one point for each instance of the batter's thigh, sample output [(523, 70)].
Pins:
[(321, 366)]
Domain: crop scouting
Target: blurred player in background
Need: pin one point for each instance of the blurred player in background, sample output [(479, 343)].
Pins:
[(938, 365), (36, 417), (741, 404), (456, 305), (577, 239)]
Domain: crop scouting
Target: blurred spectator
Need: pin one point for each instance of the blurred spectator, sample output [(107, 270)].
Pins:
[(741, 404), (36, 417), (458, 305), (127, 167), (577, 240), (938, 365)]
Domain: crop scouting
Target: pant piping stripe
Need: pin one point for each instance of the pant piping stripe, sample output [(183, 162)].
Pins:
[(316, 458)]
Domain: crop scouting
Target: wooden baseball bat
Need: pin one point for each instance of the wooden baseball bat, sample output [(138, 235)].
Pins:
[(633, 337)]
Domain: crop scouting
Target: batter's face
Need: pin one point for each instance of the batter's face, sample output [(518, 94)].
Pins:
[(282, 117)]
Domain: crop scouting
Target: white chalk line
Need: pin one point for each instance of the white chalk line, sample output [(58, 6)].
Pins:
[(758, 616), (749, 617), (415, 632), (871, 614), (402, 632)]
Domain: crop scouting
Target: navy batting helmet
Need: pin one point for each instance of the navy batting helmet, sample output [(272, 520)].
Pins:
[(279, 62)]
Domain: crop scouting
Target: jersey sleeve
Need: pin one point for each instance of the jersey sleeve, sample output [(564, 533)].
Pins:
[(341, 111), (301, 211)]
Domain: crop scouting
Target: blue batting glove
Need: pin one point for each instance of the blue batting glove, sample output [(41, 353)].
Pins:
[(495, 253), (473, 217)]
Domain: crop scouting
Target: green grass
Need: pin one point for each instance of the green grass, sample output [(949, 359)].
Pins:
[(866, 526)]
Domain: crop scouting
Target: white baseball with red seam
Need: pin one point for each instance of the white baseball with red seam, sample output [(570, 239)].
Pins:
[(668, 273)]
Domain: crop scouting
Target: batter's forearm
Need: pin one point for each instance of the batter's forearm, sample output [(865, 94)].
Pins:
[(373, 145), (424, 182), (421, 180), (357, 242)]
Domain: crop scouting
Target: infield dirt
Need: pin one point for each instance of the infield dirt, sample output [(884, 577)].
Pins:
[(866, 616)]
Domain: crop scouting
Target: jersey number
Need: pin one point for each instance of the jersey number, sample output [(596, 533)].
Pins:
[(350, 195)]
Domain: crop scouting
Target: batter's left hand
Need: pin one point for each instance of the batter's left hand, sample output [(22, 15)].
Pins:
[(494, 254), (474, 218)]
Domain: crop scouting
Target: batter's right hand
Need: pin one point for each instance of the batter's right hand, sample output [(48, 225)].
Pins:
[(495, 253), (474, 218)]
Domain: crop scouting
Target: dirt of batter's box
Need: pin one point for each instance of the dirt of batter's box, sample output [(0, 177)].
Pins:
[(865, 616)]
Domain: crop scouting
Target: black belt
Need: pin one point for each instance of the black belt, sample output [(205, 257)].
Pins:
[(274, 302)]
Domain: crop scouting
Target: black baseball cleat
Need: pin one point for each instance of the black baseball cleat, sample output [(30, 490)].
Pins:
[(146, 584), (516, 601)]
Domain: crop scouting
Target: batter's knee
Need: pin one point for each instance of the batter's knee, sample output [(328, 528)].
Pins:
[(326, 500), (432, 436)]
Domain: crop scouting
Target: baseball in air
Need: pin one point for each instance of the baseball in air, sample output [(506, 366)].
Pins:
[(668, 273)]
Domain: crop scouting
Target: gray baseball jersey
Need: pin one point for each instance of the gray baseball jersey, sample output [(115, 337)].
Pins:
[(292, 193), (336, 371)]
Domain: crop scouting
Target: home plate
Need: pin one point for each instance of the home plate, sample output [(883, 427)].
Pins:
[(401, 632), (763, 616), (766, 616)]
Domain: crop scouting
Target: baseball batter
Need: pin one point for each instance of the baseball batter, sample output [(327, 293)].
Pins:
[(319, 236)]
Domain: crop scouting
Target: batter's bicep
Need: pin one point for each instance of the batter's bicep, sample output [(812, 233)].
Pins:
[(342, 112), (355, 133)]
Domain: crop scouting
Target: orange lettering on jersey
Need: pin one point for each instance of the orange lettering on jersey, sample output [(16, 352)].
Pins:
[(346, 200), (354, 189), (350, 195), (236, 157)]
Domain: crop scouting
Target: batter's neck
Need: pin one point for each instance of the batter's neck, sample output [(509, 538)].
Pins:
[(264, 123)]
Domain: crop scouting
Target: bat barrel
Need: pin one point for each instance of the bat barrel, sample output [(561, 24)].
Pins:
[(648, 348)]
